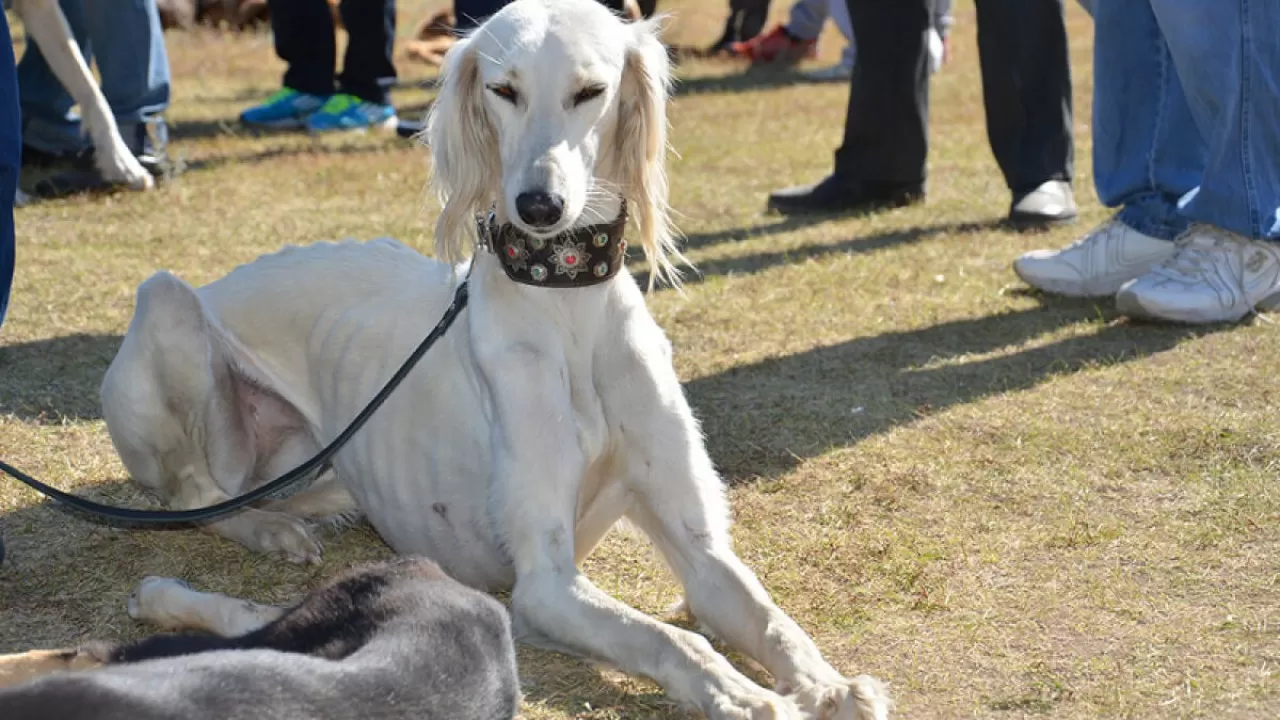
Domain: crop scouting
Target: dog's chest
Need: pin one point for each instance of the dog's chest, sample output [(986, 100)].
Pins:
[(589, 417)]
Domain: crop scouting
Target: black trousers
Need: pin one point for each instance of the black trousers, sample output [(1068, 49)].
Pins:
[(1026, 84), (304, 36)]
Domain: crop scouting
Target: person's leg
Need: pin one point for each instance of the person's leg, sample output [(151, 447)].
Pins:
[(10, 161), (808, 16), (304, 39), (49, 124), (128, 41), (1026, 88), (842, 70), (1147, 153), (838, 10), (367, 68), (368, 74), (882, 159), (746, 20), (1147, 150), (1227, 56), (1228, 62)]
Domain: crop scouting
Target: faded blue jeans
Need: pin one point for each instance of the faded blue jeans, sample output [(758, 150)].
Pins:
[(1186, 114), (10, 155), (126, 38)]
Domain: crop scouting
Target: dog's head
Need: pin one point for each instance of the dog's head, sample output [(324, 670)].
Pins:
[(550, 112)]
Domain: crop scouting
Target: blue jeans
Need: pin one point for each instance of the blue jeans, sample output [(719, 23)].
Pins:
[(1186, 101), (126, 38), (10, 157)]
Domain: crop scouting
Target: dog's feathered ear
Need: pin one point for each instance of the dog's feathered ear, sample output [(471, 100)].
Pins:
[(638, 146), (463, 151)]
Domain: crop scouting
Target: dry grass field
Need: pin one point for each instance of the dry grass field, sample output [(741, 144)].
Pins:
[(1005, 504)]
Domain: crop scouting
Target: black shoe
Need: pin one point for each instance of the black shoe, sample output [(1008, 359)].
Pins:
[(837, 195), (409, 129)]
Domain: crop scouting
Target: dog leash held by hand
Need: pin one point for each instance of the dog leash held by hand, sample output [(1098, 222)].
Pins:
[(176, 519)]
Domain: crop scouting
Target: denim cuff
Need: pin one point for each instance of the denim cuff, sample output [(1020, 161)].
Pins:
[(1140, 218)]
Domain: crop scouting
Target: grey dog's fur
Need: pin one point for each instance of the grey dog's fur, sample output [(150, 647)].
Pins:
[(395, 640)]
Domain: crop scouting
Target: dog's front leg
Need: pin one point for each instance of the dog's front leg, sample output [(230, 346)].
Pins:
[(265, 531), (680, 504), (539, 465), (47, 25)]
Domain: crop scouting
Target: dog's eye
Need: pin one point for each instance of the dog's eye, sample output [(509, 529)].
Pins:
[(506, 92), (587, 93)]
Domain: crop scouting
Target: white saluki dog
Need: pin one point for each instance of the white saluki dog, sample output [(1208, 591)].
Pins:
[(543, 417), (46, 24)]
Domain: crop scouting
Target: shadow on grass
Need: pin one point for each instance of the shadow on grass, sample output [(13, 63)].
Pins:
[(752, 78), (273, 153), (761, 261), (763, 419), (54, 380)]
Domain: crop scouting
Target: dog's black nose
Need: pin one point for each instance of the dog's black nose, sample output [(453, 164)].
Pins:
[(539, 209)]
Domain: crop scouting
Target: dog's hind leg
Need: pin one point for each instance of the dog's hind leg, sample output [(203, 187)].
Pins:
[(325, 500), (21, 667), (172, 404), (173, 605), (680, 504)]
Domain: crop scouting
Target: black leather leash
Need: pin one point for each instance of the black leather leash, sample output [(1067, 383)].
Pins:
[(177, 519)]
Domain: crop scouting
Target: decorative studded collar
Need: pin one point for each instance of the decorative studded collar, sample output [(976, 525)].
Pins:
[(581, 257)]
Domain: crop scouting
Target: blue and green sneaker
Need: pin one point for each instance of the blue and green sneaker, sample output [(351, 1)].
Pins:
[(348, 112), (286, 109)]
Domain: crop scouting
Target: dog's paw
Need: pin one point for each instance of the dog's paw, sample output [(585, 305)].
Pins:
[(123, 168), (286, 536), (740, 699), (155, 599), (859, 698), (765, 706)]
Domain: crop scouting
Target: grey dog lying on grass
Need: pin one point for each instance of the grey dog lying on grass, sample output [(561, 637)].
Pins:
[(393, 640)]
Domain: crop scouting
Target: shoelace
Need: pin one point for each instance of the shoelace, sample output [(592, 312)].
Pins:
[(1195, 253), (1096, 235)]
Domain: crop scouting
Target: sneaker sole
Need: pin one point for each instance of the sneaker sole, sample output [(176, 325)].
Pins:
[(287, 124), (389, 125), (1129, 306), (1033, 221), (1065, 288)]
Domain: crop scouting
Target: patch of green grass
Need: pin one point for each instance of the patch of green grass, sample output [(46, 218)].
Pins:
[(1006, 504)]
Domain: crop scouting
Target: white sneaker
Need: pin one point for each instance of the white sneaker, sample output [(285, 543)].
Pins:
[(1097, 264), (833, 73), (1215, 276)]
